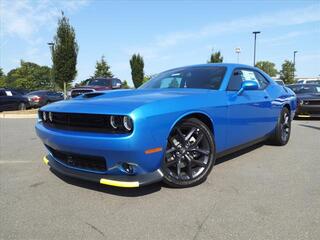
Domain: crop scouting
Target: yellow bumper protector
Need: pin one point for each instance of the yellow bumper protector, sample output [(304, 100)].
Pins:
[(45, 160), (119, 183)]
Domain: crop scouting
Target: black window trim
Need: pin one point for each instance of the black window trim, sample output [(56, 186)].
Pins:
[(248, 69)]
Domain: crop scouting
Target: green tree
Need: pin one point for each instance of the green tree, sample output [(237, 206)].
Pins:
[(30, 76), (125, 85), (287, 72), (83, 82), (64, 54), (216, 57), (146, 78), (102, 69), (137, 73), (267, 67), (2, 78)]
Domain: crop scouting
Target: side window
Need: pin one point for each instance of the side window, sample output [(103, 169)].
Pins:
[(171, 82), (263, 82), (240, 75), (9, 93), (2, 93), (235, 81)]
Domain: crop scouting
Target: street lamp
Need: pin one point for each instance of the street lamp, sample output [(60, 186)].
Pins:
[(254, 51), (238, 50), (51, 46), (294, 63)]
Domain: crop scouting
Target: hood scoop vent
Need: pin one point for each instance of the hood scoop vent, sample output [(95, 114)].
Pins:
[(92, 95)]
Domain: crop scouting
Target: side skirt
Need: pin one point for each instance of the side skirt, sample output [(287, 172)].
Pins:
[(242, 146)]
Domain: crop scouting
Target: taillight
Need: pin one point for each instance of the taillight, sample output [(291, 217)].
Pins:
[(36, 99)]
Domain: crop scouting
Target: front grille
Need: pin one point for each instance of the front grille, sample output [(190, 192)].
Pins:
[(81, 122), (86, 162), (311, 102), (77, 92)]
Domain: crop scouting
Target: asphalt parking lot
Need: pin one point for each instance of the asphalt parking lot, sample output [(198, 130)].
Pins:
[(264, 192)]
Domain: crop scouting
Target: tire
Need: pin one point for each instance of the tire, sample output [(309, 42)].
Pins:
[(282, 131), (22, 106), (190, 154)]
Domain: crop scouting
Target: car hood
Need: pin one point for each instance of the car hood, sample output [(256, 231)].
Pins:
[(122, 101)]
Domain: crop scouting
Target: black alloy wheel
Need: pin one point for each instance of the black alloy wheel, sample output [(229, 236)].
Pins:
[(190, 154), (285, 126), (282, 131)]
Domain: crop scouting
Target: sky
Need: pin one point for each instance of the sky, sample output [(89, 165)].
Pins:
[(167, 34)]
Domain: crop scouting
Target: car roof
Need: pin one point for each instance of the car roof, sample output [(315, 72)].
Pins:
[(226, 65), (39, 91)]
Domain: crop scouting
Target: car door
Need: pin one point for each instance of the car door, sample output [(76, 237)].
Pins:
[(249, 112), (11, 101)]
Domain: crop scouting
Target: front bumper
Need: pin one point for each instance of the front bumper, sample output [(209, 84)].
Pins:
[(112, 180), (116, 149), (308, 111)]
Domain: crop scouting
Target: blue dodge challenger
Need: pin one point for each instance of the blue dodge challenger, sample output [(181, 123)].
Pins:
[(172, 128)]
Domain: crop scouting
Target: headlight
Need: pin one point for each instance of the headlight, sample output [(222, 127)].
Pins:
[(127, 123), (121, 123), (114, 122), (44, 116), (50, 116)]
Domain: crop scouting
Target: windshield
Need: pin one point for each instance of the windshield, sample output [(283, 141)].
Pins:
[(99, 82), (305, 88), (190, 77), (35, 93)]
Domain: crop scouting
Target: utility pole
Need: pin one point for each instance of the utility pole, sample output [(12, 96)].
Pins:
[(254, 51), (51, 46), (294, 62)]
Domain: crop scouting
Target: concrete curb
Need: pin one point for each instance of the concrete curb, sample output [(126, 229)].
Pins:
[(17, 116)]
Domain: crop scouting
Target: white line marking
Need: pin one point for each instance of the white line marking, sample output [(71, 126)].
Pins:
[(12, 161)]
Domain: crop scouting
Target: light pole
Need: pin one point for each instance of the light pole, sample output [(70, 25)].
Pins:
[(254, 50), (51, 46), (238, 50), (294, 62)]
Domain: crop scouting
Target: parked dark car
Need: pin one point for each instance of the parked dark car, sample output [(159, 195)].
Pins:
[(43, 97), (97, 84), (308, 99), (12, 100)]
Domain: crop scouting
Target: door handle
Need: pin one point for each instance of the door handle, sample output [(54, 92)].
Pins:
[(265, 97)]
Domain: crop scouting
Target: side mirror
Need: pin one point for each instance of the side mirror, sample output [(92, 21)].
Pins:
[(248, 85)]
